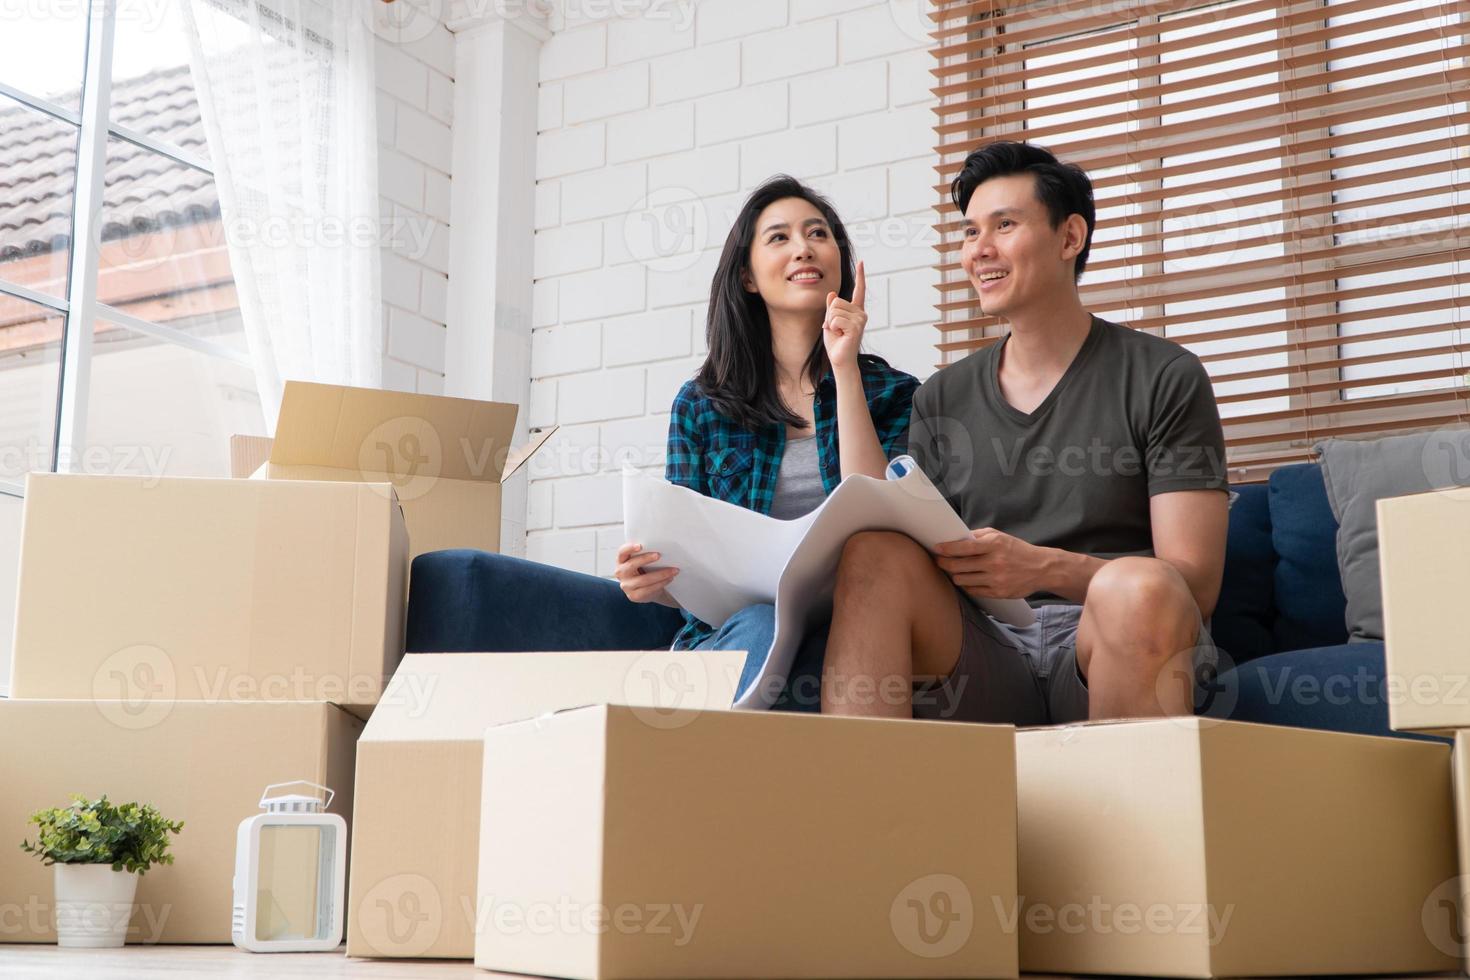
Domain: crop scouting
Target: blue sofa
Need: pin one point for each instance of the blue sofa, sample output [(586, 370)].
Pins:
[(1280, 620)]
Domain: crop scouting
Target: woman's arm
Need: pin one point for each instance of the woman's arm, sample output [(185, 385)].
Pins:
[(858, 447), (640, 579)]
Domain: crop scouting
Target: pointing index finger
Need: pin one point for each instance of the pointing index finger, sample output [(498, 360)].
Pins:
[(860, 288)]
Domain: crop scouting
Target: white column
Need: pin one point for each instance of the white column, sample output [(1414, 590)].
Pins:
[(488, 346)]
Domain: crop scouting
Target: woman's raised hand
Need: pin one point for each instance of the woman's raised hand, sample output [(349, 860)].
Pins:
[(842, 332), (639, 582)]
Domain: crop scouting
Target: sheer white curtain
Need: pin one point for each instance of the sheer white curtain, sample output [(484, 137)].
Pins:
[(287, 95)]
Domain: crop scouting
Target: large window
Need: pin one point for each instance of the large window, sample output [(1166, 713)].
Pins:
[(1281, 187), (121, 343)]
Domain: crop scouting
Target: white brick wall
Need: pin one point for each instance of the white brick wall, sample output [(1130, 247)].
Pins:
[(653, 129), (415, 102)]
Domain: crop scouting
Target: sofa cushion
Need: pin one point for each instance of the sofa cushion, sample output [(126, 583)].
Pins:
[(1358, 475), (466, 601), (1241, 625), (1310, 605), (1338, 688)]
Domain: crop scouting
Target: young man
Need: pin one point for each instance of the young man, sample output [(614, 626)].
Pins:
[(1090, 462)]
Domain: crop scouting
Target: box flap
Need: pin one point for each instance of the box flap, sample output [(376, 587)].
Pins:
[(456, 696), (248, 454), (407, 435), (519, 456)]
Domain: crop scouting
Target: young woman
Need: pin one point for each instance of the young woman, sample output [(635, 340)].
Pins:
[(785, 406)]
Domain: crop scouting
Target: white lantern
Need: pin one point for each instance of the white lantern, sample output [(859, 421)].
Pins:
[(290, 869)]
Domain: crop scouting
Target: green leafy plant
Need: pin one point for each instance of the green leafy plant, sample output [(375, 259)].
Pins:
[(129, 836)]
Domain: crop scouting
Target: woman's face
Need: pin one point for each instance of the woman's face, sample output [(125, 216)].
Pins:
[(794, 259)]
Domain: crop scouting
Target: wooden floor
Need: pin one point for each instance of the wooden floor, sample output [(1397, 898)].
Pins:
[(37, 962)]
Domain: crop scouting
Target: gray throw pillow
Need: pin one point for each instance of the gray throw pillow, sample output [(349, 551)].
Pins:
[(1358, 475)]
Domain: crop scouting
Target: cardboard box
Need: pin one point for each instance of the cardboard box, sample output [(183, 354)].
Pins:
[(446, 457), (248, 454), (204, 764), (1193, 848), (412, 886), (1447, 913), (1424, 562), (746, 844), (212, 590)]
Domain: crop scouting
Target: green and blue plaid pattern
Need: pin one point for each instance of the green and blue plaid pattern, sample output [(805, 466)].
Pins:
[(711, 454)]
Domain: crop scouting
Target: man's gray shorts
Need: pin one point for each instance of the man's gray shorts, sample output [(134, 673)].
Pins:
[(1024, 675)]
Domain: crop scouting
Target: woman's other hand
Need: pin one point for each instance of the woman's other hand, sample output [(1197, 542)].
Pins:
[(640, 582)]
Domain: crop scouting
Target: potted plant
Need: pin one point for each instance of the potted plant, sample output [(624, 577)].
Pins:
[(100, 849)]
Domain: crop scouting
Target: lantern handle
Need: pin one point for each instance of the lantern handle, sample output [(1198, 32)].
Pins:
[(298, 782)]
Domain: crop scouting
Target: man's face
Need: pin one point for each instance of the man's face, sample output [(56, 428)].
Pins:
[(1015, 259)]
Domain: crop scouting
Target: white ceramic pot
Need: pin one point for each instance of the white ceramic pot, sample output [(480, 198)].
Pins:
[(93, 905)]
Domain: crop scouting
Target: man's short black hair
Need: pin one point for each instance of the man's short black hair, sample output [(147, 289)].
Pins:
[(1063, 187)]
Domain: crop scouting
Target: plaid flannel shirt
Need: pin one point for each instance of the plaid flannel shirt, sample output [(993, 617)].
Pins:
[(711, 454)]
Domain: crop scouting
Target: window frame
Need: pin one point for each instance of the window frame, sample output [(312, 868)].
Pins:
[(81, 306)]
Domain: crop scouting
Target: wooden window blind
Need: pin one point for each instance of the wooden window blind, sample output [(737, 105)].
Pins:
[(1281, 188)]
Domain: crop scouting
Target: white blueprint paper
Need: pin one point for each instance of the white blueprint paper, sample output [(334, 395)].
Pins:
[(730, 557)]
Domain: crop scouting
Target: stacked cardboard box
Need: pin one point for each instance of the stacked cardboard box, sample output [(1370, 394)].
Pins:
[(446, 457), (1424, 566), (186, 642), (1197, 848), (746, 844), (417, 829)]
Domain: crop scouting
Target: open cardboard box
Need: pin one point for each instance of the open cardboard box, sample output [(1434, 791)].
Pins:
[(140, 588), (446, 457), (746, 844), (1424, 562), (415, 841), (1186, 847), (204, 764)]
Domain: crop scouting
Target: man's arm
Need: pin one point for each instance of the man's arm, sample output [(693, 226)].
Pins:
[(1189, 528), (1188, 532)]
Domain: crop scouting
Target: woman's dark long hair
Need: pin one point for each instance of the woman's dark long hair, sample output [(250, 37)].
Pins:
[(739, 375)]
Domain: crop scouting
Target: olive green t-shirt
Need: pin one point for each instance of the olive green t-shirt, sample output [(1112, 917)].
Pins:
[(1133, 416)]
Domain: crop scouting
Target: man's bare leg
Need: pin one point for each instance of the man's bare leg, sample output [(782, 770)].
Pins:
[(894, 617), (1136, 640)]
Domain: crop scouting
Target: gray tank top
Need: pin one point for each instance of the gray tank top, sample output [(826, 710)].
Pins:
[(799, 484)]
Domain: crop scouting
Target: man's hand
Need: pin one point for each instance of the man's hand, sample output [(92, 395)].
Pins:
[(991, 564)]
